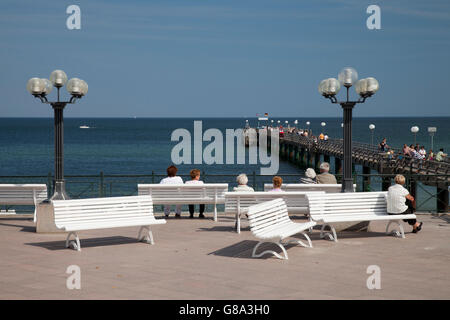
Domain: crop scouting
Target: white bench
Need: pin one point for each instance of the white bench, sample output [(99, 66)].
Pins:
[(238, 202), (269, 221), (173, 194), (104, 213), (23, 195), (329, 188), (352, 207)]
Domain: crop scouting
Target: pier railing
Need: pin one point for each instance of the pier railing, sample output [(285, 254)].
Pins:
[(110, 185)]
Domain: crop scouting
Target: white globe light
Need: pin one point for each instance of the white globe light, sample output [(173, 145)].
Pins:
[(74, 87), (348, 76), (372, 85), (415, 129), (58, 78), (342, 125), (35, 86), (286, 121), (361, 87), (371, 126), (278, 121), (329, 87), (47, 86), (84, 87), (323, 124), (271, 121), (308, 123), (296, 121)]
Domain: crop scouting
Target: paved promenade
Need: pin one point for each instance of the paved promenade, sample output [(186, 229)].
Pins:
[(203, 259)]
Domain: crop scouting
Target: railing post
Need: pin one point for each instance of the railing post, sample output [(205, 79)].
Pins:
[(101, 186), (49, 185), (153, 177)]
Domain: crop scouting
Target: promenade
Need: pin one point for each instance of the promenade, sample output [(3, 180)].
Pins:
[(203, 259)]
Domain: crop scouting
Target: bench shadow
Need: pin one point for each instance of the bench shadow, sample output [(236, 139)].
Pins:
[(85, 243), (23, 228)]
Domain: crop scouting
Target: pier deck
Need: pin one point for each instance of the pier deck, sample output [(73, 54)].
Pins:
[(201, 259)]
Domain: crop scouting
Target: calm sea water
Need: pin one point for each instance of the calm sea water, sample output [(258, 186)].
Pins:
[(143, 145)]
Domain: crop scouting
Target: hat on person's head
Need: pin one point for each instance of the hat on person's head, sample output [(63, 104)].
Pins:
[(310, 173), (325, 166)]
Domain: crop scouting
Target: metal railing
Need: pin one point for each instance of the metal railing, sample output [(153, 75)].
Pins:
[(104, 185)]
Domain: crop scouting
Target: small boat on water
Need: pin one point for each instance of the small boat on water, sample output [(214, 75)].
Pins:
[(84, 127)]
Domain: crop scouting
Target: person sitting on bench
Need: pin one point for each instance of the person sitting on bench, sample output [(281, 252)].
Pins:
[(399, 201), (195, 176)]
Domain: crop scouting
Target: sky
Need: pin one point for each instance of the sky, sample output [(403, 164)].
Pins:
[(228, 58)]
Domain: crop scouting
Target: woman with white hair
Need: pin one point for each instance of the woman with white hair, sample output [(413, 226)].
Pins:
[(242, 181), (310, 176), (399, 201)]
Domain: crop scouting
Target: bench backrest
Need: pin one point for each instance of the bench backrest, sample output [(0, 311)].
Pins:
[(345, 204), (296, 201), (22, 194), (164, 193), (97, 210), (329, 188), (267, 216)]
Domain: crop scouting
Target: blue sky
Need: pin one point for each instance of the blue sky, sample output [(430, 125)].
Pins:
[(226, 58)]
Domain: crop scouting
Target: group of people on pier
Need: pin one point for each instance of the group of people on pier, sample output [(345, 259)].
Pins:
[(414, 151)]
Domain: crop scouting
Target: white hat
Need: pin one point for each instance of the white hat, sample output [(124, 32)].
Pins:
[(310, 173)]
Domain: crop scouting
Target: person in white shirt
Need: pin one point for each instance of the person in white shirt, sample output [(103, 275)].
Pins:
[(277, 182), (310, 176), (242, 181), (195, 176), (396, 202), (172, 178)]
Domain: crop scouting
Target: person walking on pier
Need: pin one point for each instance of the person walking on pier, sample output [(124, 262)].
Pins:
[(399, 201), (325, 177), (195, 176), (172, 178), (310, 176)]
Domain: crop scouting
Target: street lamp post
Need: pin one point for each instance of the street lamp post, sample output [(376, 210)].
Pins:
[(414, 130), (40, 88), (323, 124), (307, 124), (432, 131), (372, 128), (365, 88)]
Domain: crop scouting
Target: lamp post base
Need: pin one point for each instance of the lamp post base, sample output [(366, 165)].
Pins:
[(60, 191), (347, 185)]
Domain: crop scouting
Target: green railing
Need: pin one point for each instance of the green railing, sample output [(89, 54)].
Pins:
[(103, 185)]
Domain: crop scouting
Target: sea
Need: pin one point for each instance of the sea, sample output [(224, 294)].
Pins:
[(142, 146)]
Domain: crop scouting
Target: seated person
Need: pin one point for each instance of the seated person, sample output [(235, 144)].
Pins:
[(440, 155), (172, 178), (242, 181), (399, 201), (310, 176), (277, 182), (195, 179), (325, 177)]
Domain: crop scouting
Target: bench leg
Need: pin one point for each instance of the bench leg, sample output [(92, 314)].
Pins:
[(74, 243), (330, 236), (254, 255), (148, 238), (238, 223), (401, 233), (309, 245)]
